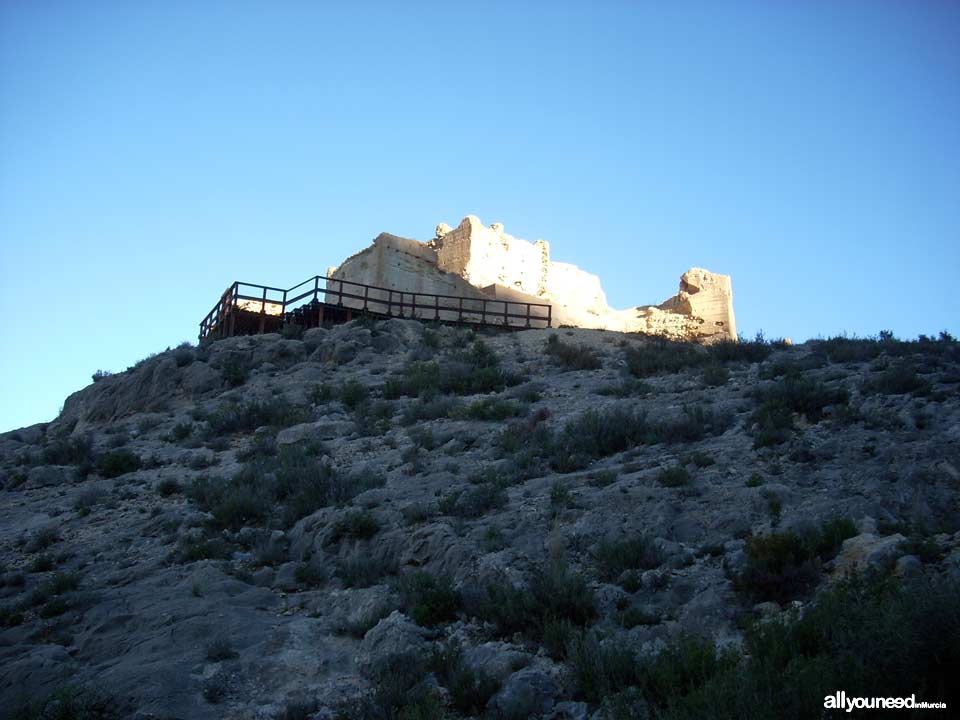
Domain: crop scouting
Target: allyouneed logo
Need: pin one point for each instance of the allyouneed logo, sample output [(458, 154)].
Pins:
[(840, 701)]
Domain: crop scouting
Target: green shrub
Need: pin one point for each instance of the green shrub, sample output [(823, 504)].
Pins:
[(780, 567), (777, 403), (553, 594), (494, 408), (181, 431), (428, 599), (219, 650), (373, 418), (475, 501), (352, 393), (42, 538), (698, 458), (320, 394), (117, 463), (436, 408), (76, 450), (464, 372), (755, 480), (636, 553), (399, 691), (572, 357), (868, 636), (70, 702), (607, 431), (628, 387), (356, 525), (248, 416), (715, 375), (191, 549), (277, 491), (308, 574), (469, 692), (42, 563), (168, 487), (899, 379), (362, 570), (659, 355), (784, 566), (88, 499), (235, 370), (675, 476), (634, 616), (747, 351)]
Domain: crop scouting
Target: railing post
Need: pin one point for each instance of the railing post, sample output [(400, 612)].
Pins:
[(436, 307), (316, 288), (366, 296), (460, 312), (505, 306), (263, 312), (528, 314)]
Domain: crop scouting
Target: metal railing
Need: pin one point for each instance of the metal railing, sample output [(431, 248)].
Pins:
[(267, 307)]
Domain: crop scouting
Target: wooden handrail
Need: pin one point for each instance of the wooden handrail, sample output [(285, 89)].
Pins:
[(335, 291)]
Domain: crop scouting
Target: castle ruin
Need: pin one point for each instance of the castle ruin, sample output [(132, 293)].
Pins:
[(485, 263)]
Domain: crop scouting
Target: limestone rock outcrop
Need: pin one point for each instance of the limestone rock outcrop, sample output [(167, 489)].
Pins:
[(476, 261)]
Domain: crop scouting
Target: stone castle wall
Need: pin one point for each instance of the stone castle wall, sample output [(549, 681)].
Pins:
[(476, 261)]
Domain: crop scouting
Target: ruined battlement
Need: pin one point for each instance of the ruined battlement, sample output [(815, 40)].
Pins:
[(484, 262)]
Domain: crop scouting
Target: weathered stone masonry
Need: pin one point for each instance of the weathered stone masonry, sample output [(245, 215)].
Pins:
[(473, 260)]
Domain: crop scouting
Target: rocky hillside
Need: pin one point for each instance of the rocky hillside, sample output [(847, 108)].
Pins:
[(390, 520)]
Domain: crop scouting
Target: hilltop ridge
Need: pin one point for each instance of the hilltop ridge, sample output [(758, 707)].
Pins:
[(387, 518)]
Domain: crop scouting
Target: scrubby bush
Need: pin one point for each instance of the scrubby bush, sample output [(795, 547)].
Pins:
[(899, 379), (777, 402), (572, 357), (715, 375), (219, 650), (553, 595), (277, 491), (606, 431), (235, 370), (746, 351), (359, 569), (475, 501), (76, 450), (70, 702), (493, 408), (356, 525), (168, 487), (868, 636), (444, 406), (248, 416), (659, 355), (675, 476), (428, 599), (181, 431), (463, 372), (783, 566), (352, 393), (636, 553), (117, 462), (469, 691)]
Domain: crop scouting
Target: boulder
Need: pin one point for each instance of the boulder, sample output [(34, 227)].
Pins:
[(394, 636), (866, 551), (528, 692)]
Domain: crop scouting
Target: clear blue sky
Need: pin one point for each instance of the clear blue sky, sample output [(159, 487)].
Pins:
[(153, 152)]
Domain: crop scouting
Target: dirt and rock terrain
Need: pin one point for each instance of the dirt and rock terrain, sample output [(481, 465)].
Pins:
[(396, 520)]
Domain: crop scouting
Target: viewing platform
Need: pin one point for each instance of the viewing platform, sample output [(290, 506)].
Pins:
[(250, 309)]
